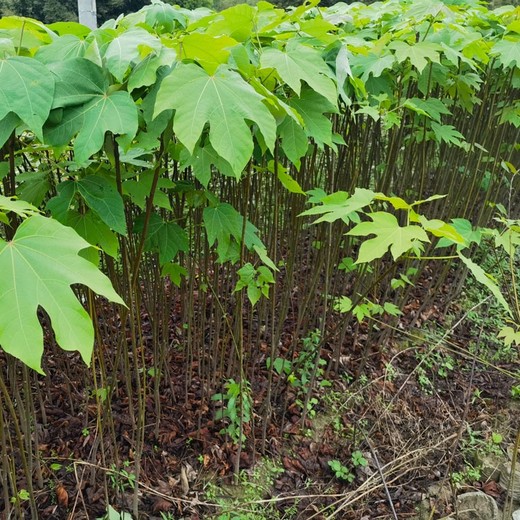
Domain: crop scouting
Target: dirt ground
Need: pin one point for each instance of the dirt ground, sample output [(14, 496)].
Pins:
[(418, 412)]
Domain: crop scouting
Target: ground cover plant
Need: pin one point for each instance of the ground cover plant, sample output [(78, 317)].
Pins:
[(223, 237)]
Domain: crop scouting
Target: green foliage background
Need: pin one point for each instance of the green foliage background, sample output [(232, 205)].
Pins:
[(49, 11)]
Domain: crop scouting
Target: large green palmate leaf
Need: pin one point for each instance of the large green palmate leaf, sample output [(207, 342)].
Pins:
[(90, 108), (224, 223), (376, 64), (209, 51), (145, 72), (90, 227), (34, 186), (447, 134), (237, 21), (128, 48), (102, 196), (389, 235), (12, 204), (64, 48), (294, 139), (26, 89), (301, 63), (78, 81), (312, 108), (87, 223), (418, 54), (341, 205), (201, 162), (74, 28), (224, 101), (38, 268), (98, 193), (432, 108), (508, 52), (139, 190), (166, 238), (165, 15), (26, 32)]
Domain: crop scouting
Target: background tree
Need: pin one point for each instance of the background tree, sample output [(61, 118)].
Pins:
[(194, 4), (109, 9), (49, 11)]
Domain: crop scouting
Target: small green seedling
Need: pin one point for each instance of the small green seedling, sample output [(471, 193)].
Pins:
[(358, 459), (340, 471)]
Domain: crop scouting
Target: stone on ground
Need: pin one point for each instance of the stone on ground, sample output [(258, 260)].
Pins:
[(476, 506)]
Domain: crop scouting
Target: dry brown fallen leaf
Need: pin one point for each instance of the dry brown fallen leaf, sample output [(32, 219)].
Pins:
[(62, 496)]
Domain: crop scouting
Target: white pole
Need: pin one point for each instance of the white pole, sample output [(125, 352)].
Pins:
[(87, 13)]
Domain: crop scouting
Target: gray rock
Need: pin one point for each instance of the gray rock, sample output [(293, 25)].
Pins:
[(516, 515), (505, 479), (442, 492), (490, 467), (476, 506)]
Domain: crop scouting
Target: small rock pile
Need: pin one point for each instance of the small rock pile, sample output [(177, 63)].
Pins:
[(480, 506)]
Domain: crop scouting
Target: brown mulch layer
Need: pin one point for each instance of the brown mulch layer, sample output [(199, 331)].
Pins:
[(411, 434)]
